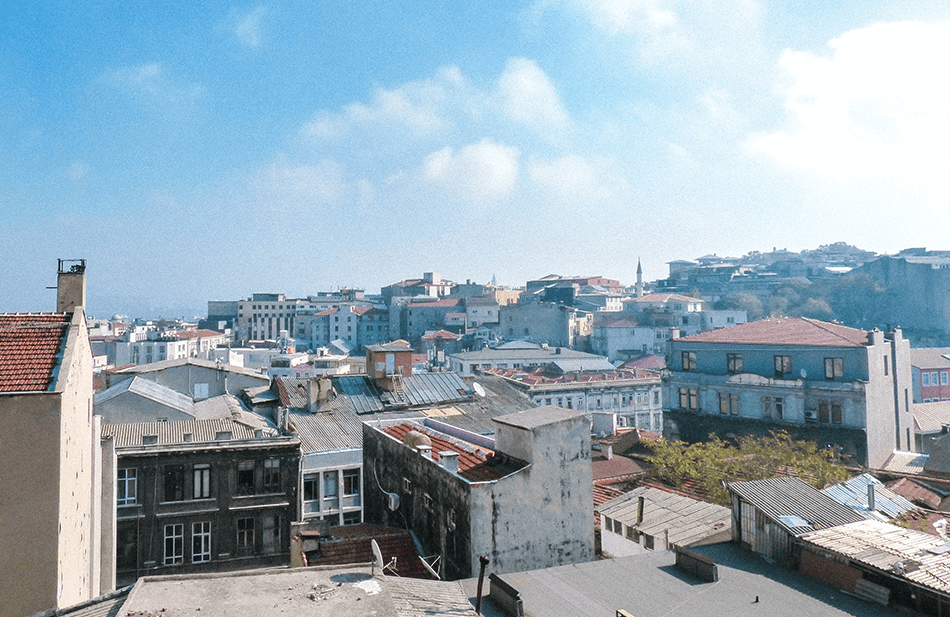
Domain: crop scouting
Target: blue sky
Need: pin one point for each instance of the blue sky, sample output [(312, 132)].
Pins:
[(196, 151)]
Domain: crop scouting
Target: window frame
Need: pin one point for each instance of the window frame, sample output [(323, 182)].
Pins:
[(176, 543), (688, 359), (124, 484), (349, 477), (244, 479), (201, 476), (201, 542), (834, 368), (271, 475), (173, 483), (734, 363), (783, 366), (729, 403), (245, 528)]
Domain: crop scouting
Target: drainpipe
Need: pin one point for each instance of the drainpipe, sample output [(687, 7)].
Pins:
[(482, 562)]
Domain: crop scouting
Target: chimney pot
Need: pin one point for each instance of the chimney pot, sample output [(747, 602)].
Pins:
[(425, 451), (449, 460)]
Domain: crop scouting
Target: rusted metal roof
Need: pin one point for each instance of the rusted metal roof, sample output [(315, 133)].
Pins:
[(785, 500)]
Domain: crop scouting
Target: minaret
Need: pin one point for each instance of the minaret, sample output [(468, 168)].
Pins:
[(639, 279)]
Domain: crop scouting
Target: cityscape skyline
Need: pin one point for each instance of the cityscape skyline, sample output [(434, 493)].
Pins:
[(207, 152)]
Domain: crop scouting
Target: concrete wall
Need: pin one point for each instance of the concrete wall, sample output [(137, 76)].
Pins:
[(183, 378)]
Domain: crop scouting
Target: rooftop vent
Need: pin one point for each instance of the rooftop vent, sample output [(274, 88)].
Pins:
[(449, 460)]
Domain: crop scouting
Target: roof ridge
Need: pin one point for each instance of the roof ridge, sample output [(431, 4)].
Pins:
[(820, 325)]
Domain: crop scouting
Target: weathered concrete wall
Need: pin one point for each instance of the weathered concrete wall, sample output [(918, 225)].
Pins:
[(130, 407)]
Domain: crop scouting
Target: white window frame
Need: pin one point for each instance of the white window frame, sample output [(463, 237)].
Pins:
[(127, 479), (202, 481), (201, 542), (174, 544)]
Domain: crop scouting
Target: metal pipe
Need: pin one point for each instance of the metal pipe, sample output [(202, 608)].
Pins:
[(482, 562)]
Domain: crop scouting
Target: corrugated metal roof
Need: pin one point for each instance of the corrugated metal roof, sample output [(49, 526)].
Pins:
[(777, 497), (854, 494), (890, 548), (173, 433), (361, 393), (435, 389), (332, 430), (911, 463), (688, 520)]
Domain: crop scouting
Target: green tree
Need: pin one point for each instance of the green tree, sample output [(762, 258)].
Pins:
[(858, 301), (743, 302)]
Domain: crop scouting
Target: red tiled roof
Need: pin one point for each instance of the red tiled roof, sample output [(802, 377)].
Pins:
[(327, 312), (647, 362), (30, 345), (616, 468), (197, 333), (472, 460), (603, 494), (785, 331), (360, 310), (441, 334)]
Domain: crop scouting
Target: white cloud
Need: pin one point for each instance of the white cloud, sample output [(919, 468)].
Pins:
[(422, 107), (150, 81), (322, 182), (247, 28), (481, 171), (574, 177), (528, 96), (877, 107)]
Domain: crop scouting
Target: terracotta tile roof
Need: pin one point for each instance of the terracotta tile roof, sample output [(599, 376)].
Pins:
[(476, 464), (603, 494), (444, 334), (327, 312), (197, 333), (915, 493), (30, 348), (799, 331), (360, 310), (616, 469)]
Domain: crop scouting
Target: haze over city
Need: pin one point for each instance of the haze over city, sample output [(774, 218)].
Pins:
[(209, 151)]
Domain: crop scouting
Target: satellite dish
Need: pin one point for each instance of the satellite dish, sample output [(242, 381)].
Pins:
[(479, 390), (804, 374), (377, 555), (436, 574)]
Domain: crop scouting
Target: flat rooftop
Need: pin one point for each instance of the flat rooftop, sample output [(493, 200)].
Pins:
[(649, 585)]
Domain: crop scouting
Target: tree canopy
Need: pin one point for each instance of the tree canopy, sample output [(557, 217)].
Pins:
[(708, 466)]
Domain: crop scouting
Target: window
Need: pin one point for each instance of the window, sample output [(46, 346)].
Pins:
[(450, 519), (608, 523), (245, 478), (689, 398), (202, 483), (245, 534), (823, 415), (271, 533), (885, 365), (933, 378), (783, 366), (656, 397), (829, 412), (766, 406), (834, 368), (729, 404), (200, 542), (174, 477), (331, 494), (272, 474), (407, 486), (689, 360), (174, 544), (127, 489), (835, 413), (734, 362), (779, 407), (925, 379), (352, 518), (351, 482), (944, 377), (311, 492)]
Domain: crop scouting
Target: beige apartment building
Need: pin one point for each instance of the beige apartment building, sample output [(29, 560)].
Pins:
[(51, 553)]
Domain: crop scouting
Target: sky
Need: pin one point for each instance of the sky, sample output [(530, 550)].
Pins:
[(192, 151)]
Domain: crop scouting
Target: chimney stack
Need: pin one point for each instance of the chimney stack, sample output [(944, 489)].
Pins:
[(871, 497), (450, 460), (70, 285), (640, 510), (425, 451), (608, 452)]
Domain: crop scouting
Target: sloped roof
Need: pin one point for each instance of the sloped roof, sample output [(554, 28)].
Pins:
[(931, 417), (911, 463), (648, 362), (689, 521), (615, 469), (854, 494), (435, 388), (173, 433), (798, 331), (916, 493), (444, 303), (930, 357), (148, 389), (31, 346), (786, 499), (890, 548), (651, 298), (176, 362), (443, 334)]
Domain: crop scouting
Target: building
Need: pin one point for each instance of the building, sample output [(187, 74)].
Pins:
[(56, 508), (823, 382), (623, 339), (632, 397), (154, 346), (582, 281), (202, 496), (431, 284), (652, 518), (516, 355), (425, 316), (198, 379), (524, 499), (557, 325), (930, 370)]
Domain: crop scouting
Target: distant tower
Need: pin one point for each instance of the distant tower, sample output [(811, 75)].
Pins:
[(639, 279), (494, 281)]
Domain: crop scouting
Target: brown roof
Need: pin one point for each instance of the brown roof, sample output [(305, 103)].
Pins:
[(617, 469), (914, 492), (785, 331), (353, 544), (30, 348), (445, 334)]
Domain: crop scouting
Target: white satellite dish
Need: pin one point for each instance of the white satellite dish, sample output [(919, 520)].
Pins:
[(436, 574), (479, 390), (377, 555), (804, 374)]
